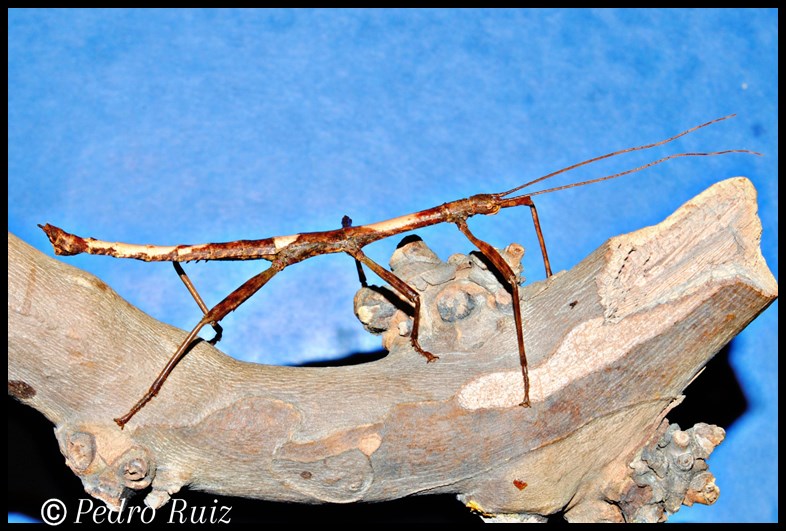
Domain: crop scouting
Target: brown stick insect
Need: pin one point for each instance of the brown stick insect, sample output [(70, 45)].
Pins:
[(284, 251)]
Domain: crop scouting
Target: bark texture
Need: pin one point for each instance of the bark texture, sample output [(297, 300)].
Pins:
[(611, 344)]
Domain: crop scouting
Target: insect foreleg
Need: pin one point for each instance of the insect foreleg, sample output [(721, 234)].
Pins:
[(541, 241), (505, 270), (202, 306), (526, 200), (218, 312), (402, 287)]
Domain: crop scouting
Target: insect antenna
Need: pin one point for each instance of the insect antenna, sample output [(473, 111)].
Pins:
[(634, 170), (620, 152)]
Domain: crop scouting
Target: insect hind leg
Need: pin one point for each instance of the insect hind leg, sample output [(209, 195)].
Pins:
[(202, 306), (213, 316)]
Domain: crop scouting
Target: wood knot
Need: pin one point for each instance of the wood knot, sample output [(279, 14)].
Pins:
[(80, 450), (136, 468)]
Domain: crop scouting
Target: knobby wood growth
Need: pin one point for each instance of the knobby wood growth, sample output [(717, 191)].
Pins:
[(612, 344)]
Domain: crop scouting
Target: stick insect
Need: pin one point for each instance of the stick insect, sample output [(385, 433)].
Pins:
[(284, 251)]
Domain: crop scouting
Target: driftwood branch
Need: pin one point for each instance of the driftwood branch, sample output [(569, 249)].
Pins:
[(611, 344)]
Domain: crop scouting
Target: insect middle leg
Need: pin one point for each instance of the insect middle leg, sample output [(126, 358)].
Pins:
[(403, 288), (346, 222)]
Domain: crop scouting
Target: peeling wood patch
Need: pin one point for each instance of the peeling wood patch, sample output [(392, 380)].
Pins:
[(369, 444)]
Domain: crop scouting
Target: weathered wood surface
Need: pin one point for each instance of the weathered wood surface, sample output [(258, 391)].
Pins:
[(611, 343)]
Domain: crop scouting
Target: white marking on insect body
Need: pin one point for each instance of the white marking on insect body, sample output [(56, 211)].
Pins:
[(281, 242)]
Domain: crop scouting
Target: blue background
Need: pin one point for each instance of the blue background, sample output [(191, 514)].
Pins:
[(189, 126)]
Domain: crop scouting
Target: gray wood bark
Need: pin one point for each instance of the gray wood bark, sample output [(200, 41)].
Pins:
[(612, 344)]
